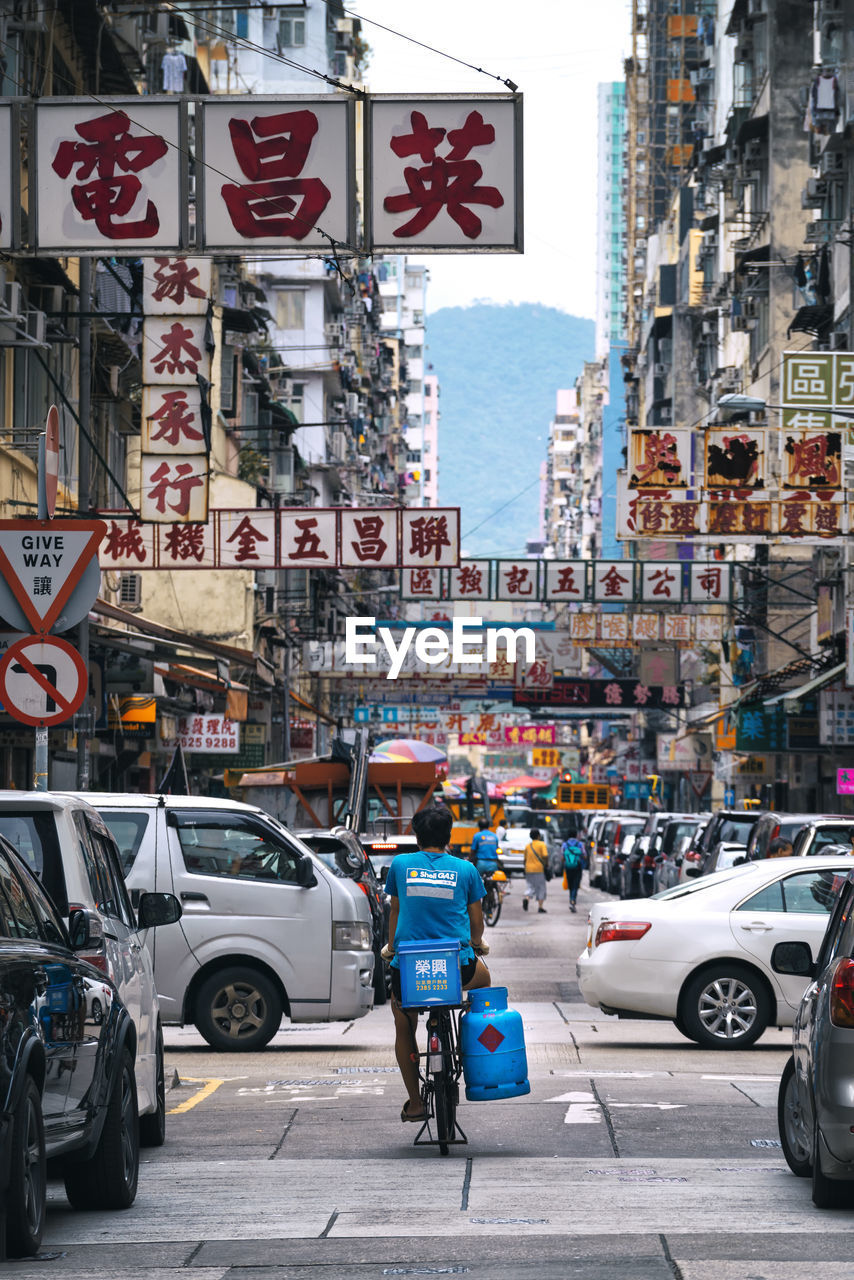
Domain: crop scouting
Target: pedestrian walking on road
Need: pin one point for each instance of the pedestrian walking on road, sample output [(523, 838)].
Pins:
[(536, 861), (573, 865)]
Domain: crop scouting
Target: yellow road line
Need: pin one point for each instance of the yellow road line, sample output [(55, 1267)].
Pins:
[(209, 1086)]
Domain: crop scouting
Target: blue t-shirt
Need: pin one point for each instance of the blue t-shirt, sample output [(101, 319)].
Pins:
[(434, 892), (484, 847)]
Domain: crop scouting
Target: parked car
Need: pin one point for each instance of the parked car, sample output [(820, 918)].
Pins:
[(267, 929), (667, 858), (732, 855), (700, 953), (341, 851), (818, 834), (636, 872), (815, 1108), (769, 825), (728, 826), (611, 832), (67, 1084), (67, 845), (383, 848)]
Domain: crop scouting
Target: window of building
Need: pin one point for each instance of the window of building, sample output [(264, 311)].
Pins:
[(295, 400), (292, 28), (290, 309)]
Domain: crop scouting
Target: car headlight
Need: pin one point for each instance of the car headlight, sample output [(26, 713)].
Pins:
[(351, 936)]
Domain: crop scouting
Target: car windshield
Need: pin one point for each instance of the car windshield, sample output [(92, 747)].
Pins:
[(842, 833), (707, 882), (734, 829)]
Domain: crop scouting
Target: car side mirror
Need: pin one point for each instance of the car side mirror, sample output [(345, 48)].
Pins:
[(349, 862), (156, 909), (306, 878), (85, 930), (793, 958)]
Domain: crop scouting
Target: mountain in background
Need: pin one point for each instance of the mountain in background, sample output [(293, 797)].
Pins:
[(499, 368)]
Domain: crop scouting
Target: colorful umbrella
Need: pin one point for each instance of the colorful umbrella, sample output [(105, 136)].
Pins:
[(524, 783), (407, 750)]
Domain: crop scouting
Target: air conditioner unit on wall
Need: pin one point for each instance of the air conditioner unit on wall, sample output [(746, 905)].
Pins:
[(339, 445), (352, 404), (130, 590), (816, 189)]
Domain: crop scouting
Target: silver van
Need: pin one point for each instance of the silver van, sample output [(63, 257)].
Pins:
[(266, 928)]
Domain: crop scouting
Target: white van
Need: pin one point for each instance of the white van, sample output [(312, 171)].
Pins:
[(266, 928)]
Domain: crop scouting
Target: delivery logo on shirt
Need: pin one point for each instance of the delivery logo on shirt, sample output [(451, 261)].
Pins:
[(426, 882)]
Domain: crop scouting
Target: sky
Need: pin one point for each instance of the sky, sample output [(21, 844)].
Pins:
[(557, 52)]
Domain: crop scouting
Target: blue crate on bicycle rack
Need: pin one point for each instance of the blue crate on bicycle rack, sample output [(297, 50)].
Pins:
[(430, 973)]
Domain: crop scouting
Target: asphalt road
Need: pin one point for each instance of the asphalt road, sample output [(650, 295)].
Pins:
[(637, 1155)]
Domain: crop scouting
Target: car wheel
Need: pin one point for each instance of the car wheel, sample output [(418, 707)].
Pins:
[(790, 1122), (152, 1127), (26, 1197), (97, 1013), (108, 1180), (725, 1007), (827, 1193), (238, 1009)]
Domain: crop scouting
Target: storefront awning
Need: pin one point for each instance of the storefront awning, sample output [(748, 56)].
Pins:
[(804, 690)]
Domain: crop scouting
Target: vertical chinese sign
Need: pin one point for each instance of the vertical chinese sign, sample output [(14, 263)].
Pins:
[(176, 374), (444, 173)]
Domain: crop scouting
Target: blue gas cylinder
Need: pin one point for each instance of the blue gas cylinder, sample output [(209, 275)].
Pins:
[(492, 1044)]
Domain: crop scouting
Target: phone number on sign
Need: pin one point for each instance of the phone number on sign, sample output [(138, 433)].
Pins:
[(199, 743)]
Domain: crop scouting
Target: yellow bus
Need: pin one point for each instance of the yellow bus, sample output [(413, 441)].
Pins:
[(582, 795)]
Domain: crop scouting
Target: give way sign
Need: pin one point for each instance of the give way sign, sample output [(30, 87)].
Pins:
[(42, 562), (43, 680)]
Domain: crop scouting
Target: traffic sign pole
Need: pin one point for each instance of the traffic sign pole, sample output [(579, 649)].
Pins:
[(40, 777)]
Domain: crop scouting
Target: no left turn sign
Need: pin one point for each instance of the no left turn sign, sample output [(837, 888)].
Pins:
[(43, 680)]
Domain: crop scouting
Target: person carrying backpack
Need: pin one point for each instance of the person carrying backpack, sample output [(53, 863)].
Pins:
[(573, 862)]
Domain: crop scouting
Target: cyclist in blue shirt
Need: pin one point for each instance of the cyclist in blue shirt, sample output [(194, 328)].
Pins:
[(484, 849), (425, 905)]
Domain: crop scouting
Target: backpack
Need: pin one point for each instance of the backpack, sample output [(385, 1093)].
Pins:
[(573, 854)]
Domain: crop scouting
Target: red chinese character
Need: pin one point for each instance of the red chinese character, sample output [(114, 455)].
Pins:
[(814, 464), (109, 147), (613, 695), (184, 481), (271, 151), (723, 517), (421, 582), (198, 725), (754, 516), (175, 419), (428, 534), (659, 454), (663, 579), (246, 536), (455, 723), (613, 581), (794, 514), (641, 695), (470, 580), (670, 695), (566, 582), (174, 278), (186, 541), (371, 545), (516, 581), (650, 516), (538, 673), (307, 544), (123, 543), (444, 181), (827, 518), (683, 517), (171, 355), (710, 581)]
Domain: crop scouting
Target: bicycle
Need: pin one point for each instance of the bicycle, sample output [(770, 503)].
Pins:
[(440, 1088), (494, 899)]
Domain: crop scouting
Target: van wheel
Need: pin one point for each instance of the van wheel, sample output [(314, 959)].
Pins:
[(109, 1179), (238, 1009), (152, 1127), (25, 1201)]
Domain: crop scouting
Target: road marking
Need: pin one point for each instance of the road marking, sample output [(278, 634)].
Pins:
[(209, 1086), (622, 1075), (746, 1079), (651, 1106)]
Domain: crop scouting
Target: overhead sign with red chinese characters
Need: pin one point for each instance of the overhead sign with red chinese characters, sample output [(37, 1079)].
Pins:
[(603, 695), (289, 538), (580, 581), (444, 173)]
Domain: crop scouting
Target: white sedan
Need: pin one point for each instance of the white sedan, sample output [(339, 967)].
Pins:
[(700, 953)]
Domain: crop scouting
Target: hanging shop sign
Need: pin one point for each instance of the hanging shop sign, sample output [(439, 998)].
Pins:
[(659, 458), (206, 734), (289, 538), (442, 173), (735, 458), (603, 695), (653, 582)]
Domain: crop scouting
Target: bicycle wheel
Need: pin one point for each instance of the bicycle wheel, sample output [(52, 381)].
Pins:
[(445, 1087), (491, 907)]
